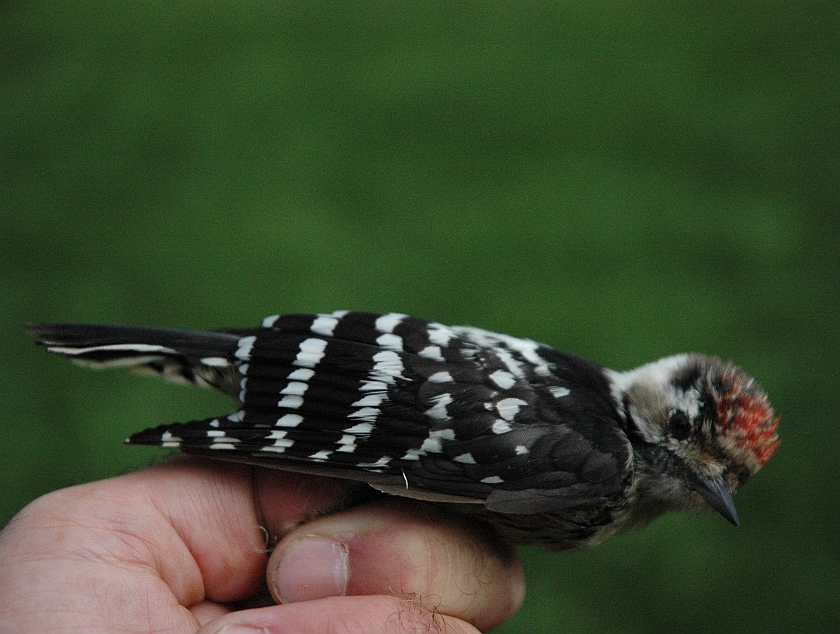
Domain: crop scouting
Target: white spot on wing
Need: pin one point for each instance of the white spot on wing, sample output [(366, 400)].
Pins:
[(501, 427), (508, 408), (521, 450), (512, 364), (289, 420), (311, 353), (273, 448), (282, 442), (558, 391), (390, 342), (440, 334), (432, 352), (528, 349), (387, 323), (446, 434), (295, 388), (413, 454), (347, 443), (388, 366), (371, 400), (320, 456), (362, 429), (441, 377), (373, 386), (525, 347), (302, 374), (432, 445), (382, 462), (243, 351), (504, 380), (366, 413), (465, 458), (492, 480), (438, 410), (290, 402), (324, 325), (268, 322)]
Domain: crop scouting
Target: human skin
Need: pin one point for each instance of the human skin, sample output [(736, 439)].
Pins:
[(182, 547)]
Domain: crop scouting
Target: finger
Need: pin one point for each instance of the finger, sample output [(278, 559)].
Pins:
[(184, 533), (211, 507), (372, 615), (82, 559), (402, 549), (206, 611)]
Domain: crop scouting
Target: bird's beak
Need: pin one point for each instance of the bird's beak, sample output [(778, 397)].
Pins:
[(718, 495)]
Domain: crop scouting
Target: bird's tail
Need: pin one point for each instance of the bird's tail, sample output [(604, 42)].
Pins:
[(204, 358)]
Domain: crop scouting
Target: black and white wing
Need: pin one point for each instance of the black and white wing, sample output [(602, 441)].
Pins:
[(415, 408)]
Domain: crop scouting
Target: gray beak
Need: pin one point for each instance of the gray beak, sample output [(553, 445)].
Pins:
[(718, 495)]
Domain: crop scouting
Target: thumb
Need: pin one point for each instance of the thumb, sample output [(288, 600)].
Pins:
[(400, 549)]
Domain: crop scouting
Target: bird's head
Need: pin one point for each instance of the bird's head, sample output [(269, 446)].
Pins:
[(701, 428)]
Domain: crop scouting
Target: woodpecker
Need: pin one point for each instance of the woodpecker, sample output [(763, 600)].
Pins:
[(549, 448)]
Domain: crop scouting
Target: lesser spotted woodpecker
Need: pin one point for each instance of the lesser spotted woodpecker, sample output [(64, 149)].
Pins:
[(548, 447)]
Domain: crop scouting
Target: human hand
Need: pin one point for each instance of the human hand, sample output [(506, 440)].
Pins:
[(180, 546)]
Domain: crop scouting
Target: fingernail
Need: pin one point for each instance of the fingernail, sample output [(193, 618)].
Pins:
[(312, 567), (242, 629)]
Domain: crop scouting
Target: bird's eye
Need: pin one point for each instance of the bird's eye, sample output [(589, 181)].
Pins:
[(679, 425)]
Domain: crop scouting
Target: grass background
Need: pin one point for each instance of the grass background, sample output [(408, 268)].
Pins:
[(623, 180)]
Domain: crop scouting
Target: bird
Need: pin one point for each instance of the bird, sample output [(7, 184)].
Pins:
[(546, 447)]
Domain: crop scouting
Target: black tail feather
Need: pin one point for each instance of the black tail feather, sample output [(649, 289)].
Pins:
[(183, 356)]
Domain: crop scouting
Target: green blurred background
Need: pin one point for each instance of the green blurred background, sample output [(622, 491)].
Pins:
[(621, 180)]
